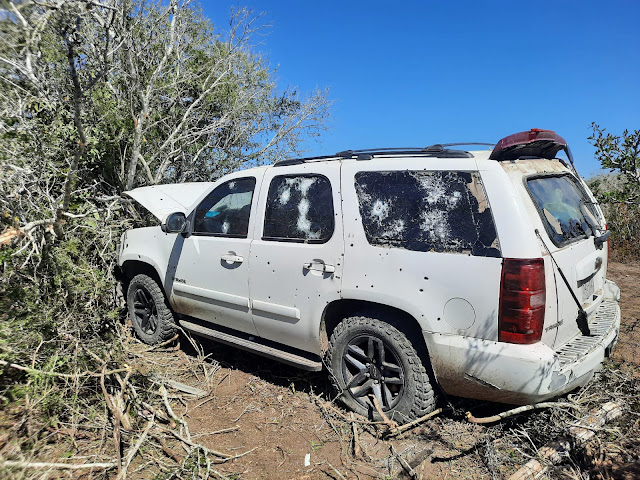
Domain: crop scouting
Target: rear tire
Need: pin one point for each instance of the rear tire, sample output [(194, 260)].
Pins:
[(149, 312), (368, 356)]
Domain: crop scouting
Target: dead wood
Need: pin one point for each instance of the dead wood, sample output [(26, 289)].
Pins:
[(554, 452), (518, 410), (389, 423), (35, 371), (59, 466), (403, 428), (357, 449), (410, 471), (123, 473)]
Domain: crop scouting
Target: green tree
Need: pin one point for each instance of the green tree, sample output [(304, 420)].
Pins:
[(97, 97), (619, 191)]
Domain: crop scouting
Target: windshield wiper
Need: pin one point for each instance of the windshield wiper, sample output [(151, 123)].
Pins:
[(598, 239), (582, 319)]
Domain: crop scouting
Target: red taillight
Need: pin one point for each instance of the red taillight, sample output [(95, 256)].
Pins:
[(522, 301)]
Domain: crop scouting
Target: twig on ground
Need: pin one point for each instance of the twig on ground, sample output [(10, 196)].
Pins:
[(389, 423), (404, 463), (165, 449), (35, 371), (123, 473), (224, 430), (407, 426), (336, 471), (58, 466), (516, 411), (357, 451)]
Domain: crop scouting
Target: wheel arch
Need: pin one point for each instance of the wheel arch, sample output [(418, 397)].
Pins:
[(131, 268), (338, 310)]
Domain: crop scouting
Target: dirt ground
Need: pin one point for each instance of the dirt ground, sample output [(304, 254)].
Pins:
[(627, 276), (283, 418)]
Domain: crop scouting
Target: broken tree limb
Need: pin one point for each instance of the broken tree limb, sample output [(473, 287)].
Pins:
[(357, 451), (58, 466), (132, 453), (518, 410), (555, 451), (181, 387), (389, 423), (35, 371), (410, 425), (410, 471)]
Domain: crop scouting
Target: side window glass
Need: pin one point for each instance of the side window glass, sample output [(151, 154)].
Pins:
[(427, 211), (225, 211), (299, 209)]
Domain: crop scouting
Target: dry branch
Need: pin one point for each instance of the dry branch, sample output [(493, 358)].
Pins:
[(389, 423), (555, 451), (518, 410), (35, 371), (58, 466), (410, 425)]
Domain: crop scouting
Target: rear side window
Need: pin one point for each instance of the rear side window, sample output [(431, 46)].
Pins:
[(299, 209), (427, 211), (566, 211)]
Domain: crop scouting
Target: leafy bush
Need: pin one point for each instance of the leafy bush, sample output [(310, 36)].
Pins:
[(619, 191)]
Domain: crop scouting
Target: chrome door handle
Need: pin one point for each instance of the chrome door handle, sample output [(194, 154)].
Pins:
[(319, 267), (232, 258)]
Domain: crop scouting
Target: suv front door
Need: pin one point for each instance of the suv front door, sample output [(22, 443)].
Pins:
[(211, 279), (296, 256)]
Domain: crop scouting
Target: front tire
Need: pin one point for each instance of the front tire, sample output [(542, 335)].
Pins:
[(150, 315), (367, 357)]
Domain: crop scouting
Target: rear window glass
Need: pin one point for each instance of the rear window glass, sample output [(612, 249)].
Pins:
[(427, 211), (566, 211), (299, 209)]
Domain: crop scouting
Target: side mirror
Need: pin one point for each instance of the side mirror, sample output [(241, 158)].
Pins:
[(175, 223)]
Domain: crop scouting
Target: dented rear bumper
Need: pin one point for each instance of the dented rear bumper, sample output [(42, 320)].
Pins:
[(523, 374)]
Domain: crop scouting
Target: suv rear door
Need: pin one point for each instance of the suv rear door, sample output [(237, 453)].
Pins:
[(296, 254), (571, 222)]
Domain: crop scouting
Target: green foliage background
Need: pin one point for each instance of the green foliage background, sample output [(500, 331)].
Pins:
[(84, 85), (619, 190)]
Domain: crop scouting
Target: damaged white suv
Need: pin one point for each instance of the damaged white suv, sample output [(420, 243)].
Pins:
[(406, 271)]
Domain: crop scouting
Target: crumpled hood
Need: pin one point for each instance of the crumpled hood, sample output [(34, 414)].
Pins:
[(161, 200)]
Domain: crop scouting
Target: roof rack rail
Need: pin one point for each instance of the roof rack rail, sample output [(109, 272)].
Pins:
[(430, 151), (436, 150)]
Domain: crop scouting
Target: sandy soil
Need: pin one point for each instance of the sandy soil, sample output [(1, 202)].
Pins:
[(627, 276)]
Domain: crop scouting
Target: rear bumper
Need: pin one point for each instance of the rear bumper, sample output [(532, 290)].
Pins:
[(523, 374)]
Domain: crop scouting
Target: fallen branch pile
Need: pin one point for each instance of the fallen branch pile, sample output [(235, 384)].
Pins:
[(140, 409)]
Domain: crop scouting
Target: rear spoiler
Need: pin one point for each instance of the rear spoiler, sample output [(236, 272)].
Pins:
[(536, 143)]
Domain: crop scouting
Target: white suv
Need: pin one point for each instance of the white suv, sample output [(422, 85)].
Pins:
[(481, 273)]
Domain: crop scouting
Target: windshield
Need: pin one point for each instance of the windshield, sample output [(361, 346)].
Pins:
[(567, 212)]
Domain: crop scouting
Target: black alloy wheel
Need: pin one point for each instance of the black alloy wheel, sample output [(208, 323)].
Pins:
[(371, 367), (369, 358), (145, 310), (149, 311)]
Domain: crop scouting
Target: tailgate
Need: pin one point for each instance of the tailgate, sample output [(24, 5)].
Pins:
[(571, 221)]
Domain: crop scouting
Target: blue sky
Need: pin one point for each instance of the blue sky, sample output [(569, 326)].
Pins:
[(422, 72)]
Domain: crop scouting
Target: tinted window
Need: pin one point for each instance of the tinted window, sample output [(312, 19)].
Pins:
[(427, 211), (299, 208), (225, 211), (567, 212)]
